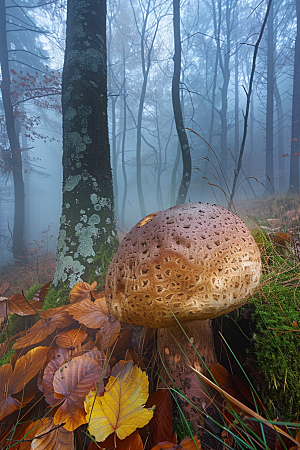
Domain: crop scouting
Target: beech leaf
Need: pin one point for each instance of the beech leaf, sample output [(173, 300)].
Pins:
[(186, 444), (120, 410), (81, 291), (91, 314), (45, 436), (13, 381), (71, 382), (50, 320), (71, 338)]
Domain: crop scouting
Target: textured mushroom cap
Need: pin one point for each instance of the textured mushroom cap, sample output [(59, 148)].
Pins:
[(196, 260)]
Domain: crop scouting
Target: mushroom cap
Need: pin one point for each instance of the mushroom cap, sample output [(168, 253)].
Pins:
[(194, 261)]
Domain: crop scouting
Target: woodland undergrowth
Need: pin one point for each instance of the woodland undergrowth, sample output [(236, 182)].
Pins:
[(73, 377)]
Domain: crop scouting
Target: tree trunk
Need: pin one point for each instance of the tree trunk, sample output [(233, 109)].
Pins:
[(18, 244), (280, 128), (295, 142), (182, 136), (123, 145), (270, 107), (236, 107), (87, 237)]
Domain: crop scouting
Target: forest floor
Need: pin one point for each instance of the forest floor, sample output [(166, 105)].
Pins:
[(256, 347)]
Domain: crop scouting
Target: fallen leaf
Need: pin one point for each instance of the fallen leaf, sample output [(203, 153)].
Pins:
[(120, 409), (44, 327), (43, 435), (71, 338), (159, 429), (81, 291), (72, 381), (91, 314), (186, 444), (13, 381)]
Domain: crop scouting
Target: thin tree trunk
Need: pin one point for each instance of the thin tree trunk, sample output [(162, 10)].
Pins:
[(123, 145), (270, 107), (182, 136), (236, 107), (213, 94), (280, 128), (295, 142), (18, 244)]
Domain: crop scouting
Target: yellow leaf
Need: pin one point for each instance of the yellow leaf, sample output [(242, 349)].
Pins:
[(120, 409)]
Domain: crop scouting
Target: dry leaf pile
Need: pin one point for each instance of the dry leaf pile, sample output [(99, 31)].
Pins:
[(75, 370)]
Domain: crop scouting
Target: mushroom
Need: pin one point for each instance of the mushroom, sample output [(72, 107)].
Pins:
[(195, 262)]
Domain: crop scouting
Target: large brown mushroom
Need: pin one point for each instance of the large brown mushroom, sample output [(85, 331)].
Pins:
[(196, 261)]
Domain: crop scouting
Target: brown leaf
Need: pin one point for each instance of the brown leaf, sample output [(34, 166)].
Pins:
[(43, 435), (60, 356), (186, 444), (17, 304), (122, 344), (91, 314), (108, 333), (12, 382), (44, 327), (71, 338), (3, 288), (73, 381), (81, 291), (132, 442), (160, 426), (44, 290)]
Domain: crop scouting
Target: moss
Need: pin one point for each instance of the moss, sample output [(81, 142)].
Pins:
[(30, 294), (56, 298), (6, 358), (276, 325), (102, 260)]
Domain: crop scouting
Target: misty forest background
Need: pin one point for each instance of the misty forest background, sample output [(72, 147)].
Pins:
[(218, 38)]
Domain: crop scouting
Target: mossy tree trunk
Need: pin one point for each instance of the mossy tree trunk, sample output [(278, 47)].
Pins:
[(87, 236)]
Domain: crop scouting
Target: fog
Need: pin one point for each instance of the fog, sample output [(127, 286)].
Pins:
[(218, 39)]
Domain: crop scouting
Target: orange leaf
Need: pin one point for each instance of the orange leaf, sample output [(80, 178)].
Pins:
[(74, 380), (186, 444), (43, 438), (12, 382), (71, 338), (44, 327), (91, 314), (108, 333), (81, 291), (16, 304)]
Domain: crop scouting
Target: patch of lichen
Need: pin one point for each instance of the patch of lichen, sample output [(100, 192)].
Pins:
[(276, 340)]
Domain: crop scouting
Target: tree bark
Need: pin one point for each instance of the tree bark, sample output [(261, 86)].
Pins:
[(87, 236), (280, 128), (182, 136), (270, 107), (295, 142), (18, 244)]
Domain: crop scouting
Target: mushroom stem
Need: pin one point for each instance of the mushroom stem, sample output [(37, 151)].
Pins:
[(178, 354)]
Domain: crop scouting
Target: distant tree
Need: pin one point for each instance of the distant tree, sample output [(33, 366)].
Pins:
[(14, 157), (87, 236), (295, 139), (182, 136)]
